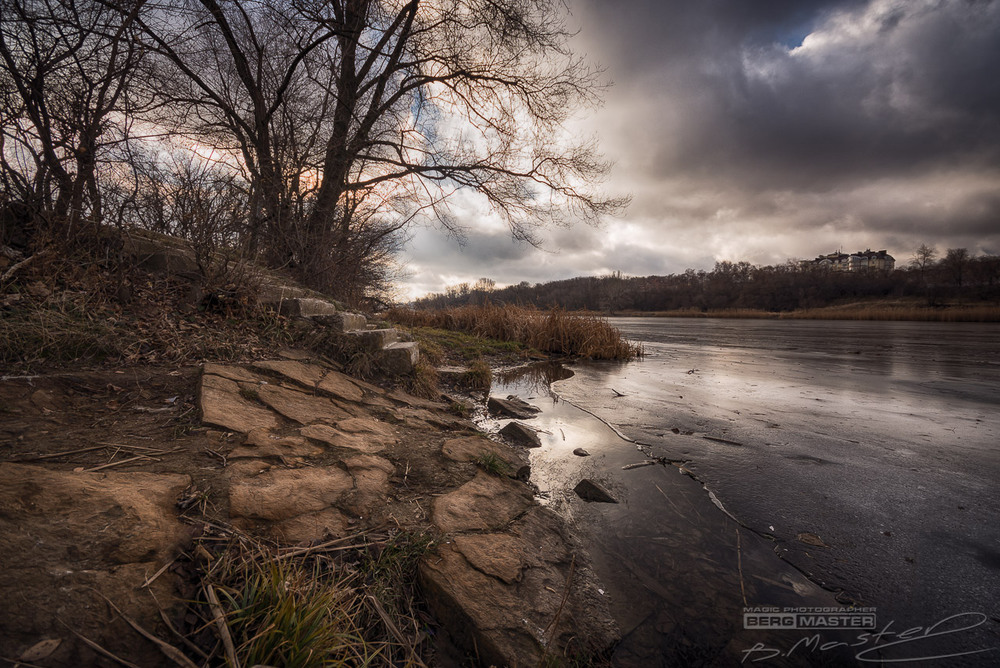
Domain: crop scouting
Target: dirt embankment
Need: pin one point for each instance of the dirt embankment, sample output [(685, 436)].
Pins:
[(111, 481)]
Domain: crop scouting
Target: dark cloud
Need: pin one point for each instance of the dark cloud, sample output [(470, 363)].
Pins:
[(769, 130)]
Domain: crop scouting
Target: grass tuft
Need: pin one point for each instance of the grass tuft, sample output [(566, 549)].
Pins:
[(352, 605), (554, 331), (493, 464), (479, 376)]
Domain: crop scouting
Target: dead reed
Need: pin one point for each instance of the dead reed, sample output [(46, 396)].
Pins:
[(553, 331)]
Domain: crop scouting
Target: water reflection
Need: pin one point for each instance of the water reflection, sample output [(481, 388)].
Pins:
[(533, 378), (676, 569), (882, 438)]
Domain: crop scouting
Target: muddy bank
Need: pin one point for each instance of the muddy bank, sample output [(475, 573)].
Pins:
[(113, 482)]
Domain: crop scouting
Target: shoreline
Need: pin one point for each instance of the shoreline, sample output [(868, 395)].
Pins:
[(728, 564), (875, 312)]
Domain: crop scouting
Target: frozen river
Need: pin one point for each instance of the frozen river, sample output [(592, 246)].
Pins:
[(865, 454)]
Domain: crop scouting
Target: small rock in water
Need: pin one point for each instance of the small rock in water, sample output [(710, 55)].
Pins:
[(811, 539), (580, 452), (512, 407), (522, 435), (588, 490)]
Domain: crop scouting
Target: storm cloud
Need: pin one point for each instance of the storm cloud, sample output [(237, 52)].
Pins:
[(767, 131)]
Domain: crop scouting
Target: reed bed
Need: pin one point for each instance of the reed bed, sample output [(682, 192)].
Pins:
[(553, 331)]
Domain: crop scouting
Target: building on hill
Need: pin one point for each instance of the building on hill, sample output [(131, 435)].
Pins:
[(867, 260)]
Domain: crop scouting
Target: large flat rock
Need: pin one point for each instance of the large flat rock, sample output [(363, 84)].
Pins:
[(64, 537), (222, 405), (474, 448), (280, 494), (300, 372), (304, 307), (484, 503), (301, 407), (262, 443), (503, 593), (366, 435)]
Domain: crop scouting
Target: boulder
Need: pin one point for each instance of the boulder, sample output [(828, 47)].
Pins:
[(521, 435), (511, 407), (472, 448), (511, 595), (588, 490), (580, 452), (400, 358)]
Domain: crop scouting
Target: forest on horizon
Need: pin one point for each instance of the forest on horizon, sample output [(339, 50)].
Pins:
[(958, 276)]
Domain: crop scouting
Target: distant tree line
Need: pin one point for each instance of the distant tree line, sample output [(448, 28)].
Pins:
[(742, 285), (304, 134)]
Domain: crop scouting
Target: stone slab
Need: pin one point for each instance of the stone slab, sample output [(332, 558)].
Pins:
[(521, 434), (305, 307), (511, 407), (361, 442), (373, 339), (222, 406), (299, 406), (265, 443), (472, 448), (484, 503), (400, 358), (342, 322), (280, 494)]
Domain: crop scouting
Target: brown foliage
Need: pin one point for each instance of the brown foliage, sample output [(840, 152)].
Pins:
[(552, 331)]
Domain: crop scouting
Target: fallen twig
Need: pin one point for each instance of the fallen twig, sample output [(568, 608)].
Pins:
[(168, 650), (157, 574), (220, 623), (387, 620), (120, 462), (100, 650), (17, 663), (55, 455), (325, 547), (638, 465)]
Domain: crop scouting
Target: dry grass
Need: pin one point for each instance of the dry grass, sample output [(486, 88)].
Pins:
[(554, 331), (348, 602)]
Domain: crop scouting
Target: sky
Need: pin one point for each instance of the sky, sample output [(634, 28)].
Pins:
[(765, 130)]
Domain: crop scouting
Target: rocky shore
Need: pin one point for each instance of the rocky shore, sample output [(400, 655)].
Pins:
[(108, 476)]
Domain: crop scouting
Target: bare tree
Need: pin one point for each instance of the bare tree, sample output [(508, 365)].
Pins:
[(334, 102), (923, 259), (956, 263), (65, 73)]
